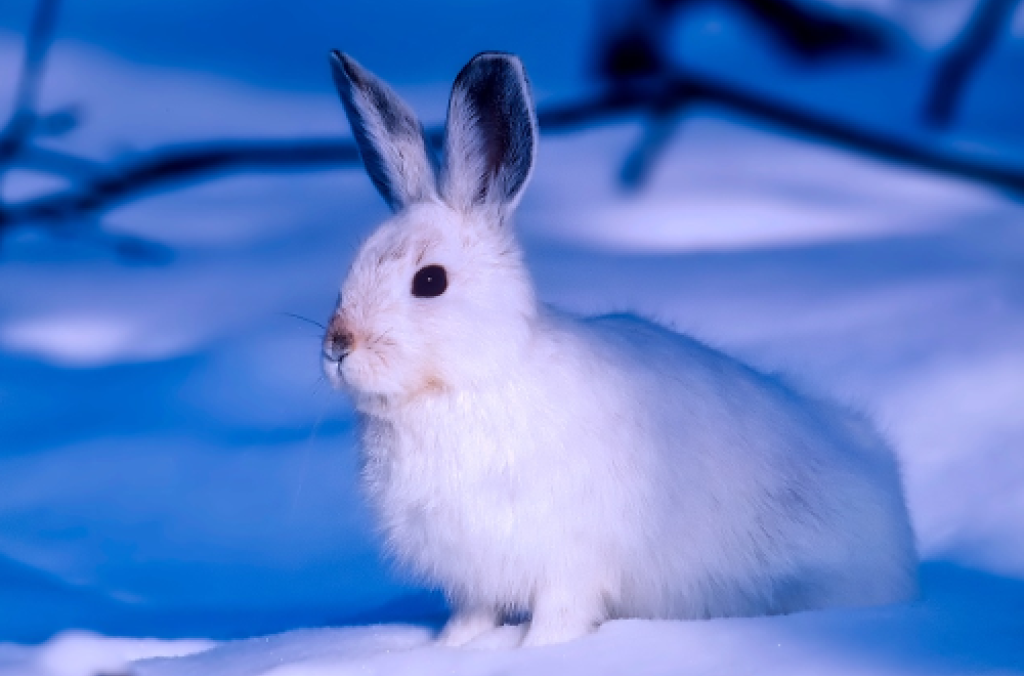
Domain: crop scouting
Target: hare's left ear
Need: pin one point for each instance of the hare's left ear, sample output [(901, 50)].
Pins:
[(390, 138), (491, 134)]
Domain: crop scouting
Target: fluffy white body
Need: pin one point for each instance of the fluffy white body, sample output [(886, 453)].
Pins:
[(576, 470)]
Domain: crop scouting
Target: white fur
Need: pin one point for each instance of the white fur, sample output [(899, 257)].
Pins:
[(577, 470)]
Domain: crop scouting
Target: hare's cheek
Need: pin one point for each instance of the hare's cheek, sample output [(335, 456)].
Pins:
[(366, 372)]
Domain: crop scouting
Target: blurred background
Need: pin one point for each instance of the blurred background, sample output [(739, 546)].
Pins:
[(827, 187)]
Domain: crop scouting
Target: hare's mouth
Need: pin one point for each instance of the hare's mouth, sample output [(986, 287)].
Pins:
[(332, 369), (358, 370)]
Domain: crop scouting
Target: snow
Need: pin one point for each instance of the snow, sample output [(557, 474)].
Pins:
[(174, 470), (79, 653), (952, 632)]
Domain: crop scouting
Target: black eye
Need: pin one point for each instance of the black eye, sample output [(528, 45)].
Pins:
[(429, 282)]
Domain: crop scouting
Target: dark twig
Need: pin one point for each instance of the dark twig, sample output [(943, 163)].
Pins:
[(180, 164), (862, 141), (634, 40), (58, 163), (814, 31), (657, 132), (963, 59), (18, 130)]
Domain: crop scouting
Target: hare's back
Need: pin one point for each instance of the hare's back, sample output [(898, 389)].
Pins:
[(715, 410)]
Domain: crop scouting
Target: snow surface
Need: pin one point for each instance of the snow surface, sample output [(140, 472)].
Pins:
[(172, 464)]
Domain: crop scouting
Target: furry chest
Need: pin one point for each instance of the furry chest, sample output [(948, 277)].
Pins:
[(456, 512)]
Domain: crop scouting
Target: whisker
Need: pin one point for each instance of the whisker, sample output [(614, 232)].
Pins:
[(383, 338), (305, 319), (317, 388)]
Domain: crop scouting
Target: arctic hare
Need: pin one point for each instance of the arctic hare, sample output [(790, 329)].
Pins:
[(575, 470)]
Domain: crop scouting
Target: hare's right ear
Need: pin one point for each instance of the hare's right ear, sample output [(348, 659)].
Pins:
[(389, 136), (491, 134)]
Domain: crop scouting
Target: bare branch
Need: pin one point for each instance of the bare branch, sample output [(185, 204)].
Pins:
[(177, 165), (57, 162), (639, 164), (658, 130), (861, 141), (16, 133), (182, 164), (634, 40), (963, 59)]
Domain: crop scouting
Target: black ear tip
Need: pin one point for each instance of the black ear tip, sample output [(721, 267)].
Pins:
[(500, 56), (337, 57), (337, 60), (497, 59), (344, 64), (493, 67)]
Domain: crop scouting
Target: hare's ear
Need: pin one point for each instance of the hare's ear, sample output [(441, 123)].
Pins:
[(390, 138), (491, 134)]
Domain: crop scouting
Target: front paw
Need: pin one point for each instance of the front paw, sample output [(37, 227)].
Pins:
[(552, 634), (555, 622), (466, 625)]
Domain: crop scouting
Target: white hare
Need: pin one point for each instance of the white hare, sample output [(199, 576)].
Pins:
[(572, 470)]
